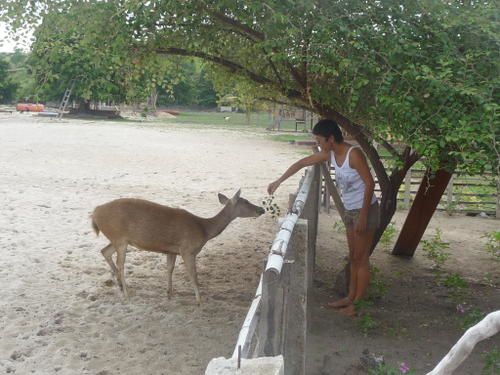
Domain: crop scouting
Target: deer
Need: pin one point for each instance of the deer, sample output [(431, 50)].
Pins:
[(150, 226)]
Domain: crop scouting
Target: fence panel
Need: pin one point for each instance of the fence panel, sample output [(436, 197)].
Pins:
[(277, 321), (467, 194)]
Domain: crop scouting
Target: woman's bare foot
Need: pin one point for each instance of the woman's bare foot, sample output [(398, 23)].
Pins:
[(339, 303), (349, 310)]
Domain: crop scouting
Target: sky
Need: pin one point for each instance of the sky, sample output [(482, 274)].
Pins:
[(7, 44)]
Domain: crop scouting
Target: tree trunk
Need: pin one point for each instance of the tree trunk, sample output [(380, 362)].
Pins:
[(84, 106), (426, 201), (152, 100)]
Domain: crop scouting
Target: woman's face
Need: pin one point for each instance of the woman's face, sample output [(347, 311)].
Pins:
[(323, 143)]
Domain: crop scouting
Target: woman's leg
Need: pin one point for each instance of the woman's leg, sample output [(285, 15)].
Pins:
[(352, 274), (360, 267)]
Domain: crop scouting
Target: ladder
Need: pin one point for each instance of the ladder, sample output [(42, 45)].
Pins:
[(65, 99)]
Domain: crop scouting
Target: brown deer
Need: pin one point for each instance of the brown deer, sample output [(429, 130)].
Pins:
[(173, 231)]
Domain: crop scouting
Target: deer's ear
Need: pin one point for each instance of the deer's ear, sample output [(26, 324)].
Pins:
[(237, 195), (222, 198)]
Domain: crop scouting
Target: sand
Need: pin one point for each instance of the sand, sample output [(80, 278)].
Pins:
[(60, 310)]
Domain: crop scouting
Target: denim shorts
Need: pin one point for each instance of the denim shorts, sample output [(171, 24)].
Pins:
[(351, 217)]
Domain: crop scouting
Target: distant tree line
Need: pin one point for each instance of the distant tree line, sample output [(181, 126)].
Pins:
[(19, 82)]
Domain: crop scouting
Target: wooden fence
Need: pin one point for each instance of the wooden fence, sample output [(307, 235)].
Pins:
[(277, 321), (466, 194)]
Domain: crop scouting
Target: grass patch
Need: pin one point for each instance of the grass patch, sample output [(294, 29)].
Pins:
[(291, 138), (221, 119)]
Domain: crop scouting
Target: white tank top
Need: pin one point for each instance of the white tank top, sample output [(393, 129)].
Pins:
[(352, 186)]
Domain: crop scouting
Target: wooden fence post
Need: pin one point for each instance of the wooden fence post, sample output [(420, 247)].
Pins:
[(449, 196), (407, 189), (271, 320), (497, 214), (310, 213), (296, 319), (326, 198), (333, 192)]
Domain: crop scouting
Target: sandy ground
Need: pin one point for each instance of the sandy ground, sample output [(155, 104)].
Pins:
[(59, 311)]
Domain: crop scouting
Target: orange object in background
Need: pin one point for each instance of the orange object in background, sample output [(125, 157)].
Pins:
[(30, 107)]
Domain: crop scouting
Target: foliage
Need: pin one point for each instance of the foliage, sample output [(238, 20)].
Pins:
[(385, 369), (339, 226), (192, 86), (378, 287), (271, 206), (457, 285), (238, 92), (388, 235), (90, 44), (20, 75), (493, 244), (491, 362), (434, 250), (7, 87), (423, 73), (366, 323), (471, 318)]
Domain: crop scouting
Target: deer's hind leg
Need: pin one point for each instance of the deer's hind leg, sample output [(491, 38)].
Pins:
[(107, 252), (170, 269), (121, 250)]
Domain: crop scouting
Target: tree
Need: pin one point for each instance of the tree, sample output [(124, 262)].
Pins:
[(420, 78), (21, 76), (190, 86), (7, 87), (89, 43)]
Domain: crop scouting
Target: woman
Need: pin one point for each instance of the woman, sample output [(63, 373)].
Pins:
[(362, 211)]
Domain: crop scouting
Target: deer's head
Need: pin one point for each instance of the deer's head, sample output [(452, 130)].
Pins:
[(240, 207)]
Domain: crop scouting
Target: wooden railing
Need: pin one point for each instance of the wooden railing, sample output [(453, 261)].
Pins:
[(277, 321), (466, 194)]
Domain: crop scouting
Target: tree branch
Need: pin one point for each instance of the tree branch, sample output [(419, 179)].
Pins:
[(232, 66), (391, 149), (254, 35), (363, 138), (489, 326)]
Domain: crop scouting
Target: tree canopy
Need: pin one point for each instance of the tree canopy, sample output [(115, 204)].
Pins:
[(421, 78), (421, 73), (89, 44)]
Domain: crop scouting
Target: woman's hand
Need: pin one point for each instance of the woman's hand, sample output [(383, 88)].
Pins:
[(272, 187)]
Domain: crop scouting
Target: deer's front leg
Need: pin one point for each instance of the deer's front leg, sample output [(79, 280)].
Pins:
[(190, 262)]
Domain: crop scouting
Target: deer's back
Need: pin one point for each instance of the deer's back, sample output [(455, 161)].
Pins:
[(148, 225)]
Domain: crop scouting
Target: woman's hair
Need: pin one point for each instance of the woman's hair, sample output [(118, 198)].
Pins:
[(327, 128)]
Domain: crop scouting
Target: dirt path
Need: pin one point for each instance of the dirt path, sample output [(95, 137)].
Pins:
[(413, 319)]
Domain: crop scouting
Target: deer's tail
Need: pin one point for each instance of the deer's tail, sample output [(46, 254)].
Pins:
[(94, 225)]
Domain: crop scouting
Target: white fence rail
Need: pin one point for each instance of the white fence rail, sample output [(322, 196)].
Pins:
[(276, 323)]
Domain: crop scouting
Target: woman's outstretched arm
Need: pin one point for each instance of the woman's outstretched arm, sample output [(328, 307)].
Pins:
[(297, 166)]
